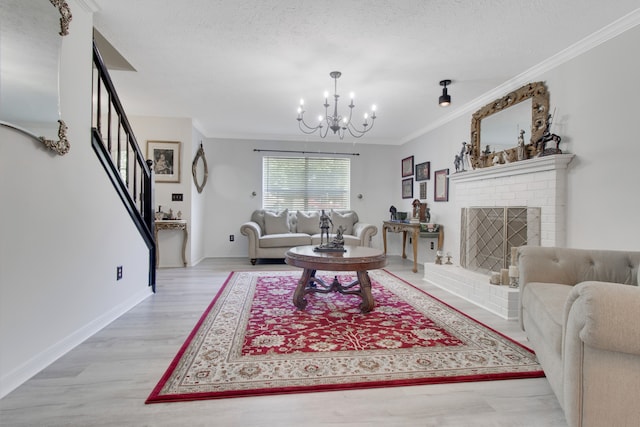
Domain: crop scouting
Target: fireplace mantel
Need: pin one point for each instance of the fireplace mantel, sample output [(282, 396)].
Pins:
[(537, 164), (541, 183)]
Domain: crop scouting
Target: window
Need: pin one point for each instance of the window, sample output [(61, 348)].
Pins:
[(306, 183)]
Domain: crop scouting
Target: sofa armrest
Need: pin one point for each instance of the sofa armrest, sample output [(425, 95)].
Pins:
[(364, 232), (570, 266), (253, 231), (251, 228), (601, 355), (606, 315)]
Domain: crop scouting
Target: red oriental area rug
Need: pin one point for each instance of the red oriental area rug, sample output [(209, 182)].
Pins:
[(252, 341)]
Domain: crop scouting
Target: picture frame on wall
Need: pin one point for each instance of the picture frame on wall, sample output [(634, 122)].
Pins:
[(407, 188), (441, 185), (423, 190), (407, 166), (423, 171), (166, 160)]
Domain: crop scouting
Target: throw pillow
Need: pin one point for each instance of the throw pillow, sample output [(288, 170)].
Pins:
[(309, 224), (276, 223), (345, 220)]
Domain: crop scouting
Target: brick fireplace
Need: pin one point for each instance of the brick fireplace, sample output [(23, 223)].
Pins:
[(538, 183)]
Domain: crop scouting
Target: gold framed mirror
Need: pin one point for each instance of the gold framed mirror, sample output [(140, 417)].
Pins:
[(532, 97), (200, 170)]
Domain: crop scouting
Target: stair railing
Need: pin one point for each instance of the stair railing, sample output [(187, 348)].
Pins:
[(115, 144)]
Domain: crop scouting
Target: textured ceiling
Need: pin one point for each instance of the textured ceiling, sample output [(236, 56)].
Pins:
[(238, 68)]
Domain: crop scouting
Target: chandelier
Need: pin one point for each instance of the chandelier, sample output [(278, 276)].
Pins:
[(337, 123)]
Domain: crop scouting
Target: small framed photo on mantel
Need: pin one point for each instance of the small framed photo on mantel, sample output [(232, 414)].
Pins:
[(166, 160)]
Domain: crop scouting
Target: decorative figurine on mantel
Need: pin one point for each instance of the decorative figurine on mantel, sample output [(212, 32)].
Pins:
[(466, 157), (394, 213), (521, 151), (547, 136), (462, 161)]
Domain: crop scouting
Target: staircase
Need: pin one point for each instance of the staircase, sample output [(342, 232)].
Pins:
[(118, 151)]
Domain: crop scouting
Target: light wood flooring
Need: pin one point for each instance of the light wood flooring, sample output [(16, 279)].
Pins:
[(105, 380)]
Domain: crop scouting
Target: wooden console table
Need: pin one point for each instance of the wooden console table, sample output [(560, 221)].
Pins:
[(414, 229), (172, 224)]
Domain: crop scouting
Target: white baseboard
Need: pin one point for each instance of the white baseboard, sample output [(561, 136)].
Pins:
[(31, 367)]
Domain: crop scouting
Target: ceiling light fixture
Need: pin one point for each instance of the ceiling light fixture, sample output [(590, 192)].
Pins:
[(445, 99), (337, 123)]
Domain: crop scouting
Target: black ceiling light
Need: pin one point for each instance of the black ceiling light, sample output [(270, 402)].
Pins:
[(445, 99)]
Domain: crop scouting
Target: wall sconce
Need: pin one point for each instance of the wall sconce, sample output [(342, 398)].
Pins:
[(445, 99)]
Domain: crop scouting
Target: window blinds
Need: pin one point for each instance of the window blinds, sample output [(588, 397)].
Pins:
[(303, 183)]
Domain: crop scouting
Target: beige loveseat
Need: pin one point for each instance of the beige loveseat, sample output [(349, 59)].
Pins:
[(272, 233), (581, 312)]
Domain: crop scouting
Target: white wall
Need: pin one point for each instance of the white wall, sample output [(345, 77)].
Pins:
[(235, 172), (596, 96), (170, 129), (63, 231), (198, 213)]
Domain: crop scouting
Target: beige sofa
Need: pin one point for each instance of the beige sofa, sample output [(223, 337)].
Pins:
[(581, 312), (272, 233)]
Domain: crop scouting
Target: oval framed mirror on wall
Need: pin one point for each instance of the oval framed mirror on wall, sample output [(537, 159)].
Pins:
[(31, 42), (200, 170)]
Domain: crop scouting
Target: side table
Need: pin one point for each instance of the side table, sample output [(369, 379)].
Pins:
[(404, 228), (172, 224), (414, 229)]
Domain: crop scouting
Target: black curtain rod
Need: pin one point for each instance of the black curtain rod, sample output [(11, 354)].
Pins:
[(305, 152)]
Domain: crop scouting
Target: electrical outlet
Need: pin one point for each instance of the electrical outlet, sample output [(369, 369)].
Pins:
[(431, 245), (232, 237), (176, 197), (119, 272)]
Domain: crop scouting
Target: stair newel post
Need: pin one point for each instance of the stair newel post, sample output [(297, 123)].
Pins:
[(148, 203)]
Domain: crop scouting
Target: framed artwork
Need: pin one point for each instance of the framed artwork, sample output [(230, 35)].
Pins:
[(407, 188), (166, 160), (441, 185), (423, 171), (407, 166), (423, 190)]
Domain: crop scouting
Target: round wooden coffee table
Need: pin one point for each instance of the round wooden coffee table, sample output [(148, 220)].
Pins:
[(355, 258)]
